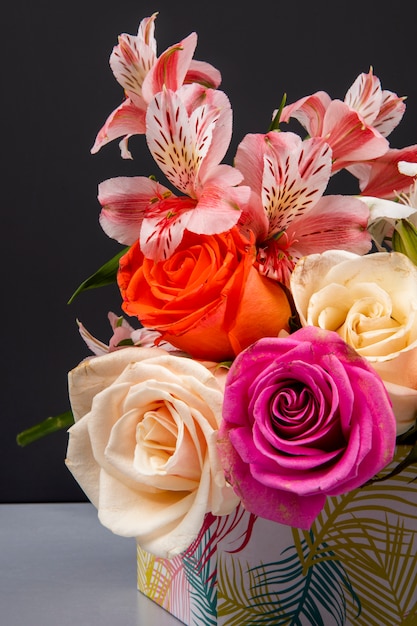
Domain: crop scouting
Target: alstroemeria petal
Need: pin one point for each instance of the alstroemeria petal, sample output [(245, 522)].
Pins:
[(223, 175), (218, 209), (125, 201), (289, 174), (383, 215), (249, 157), (203, 73), (253, 218), (365, 96), (96, 346), (379, 207), (170, 69), (309, 111), (173, 143), (218, 125), (146, 31), (381, 177), (188, 146), (127, 119), (131, 61), (390, 114), (348, 136), (335, 222), (294, 179), (161, 235)]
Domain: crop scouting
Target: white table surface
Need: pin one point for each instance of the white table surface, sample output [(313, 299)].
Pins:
[(60, 567)]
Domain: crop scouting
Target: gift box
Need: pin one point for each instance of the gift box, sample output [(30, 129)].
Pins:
[(356, 565)]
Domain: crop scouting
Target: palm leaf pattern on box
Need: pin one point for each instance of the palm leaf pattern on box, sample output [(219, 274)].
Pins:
[(187, 585), (373, 531), (216, 528), (164, 582), (201, 576), (280, 593), (356, 566), (200, 567), (235, 600)]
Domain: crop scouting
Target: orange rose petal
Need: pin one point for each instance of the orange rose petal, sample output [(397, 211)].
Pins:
[(264, 311), (208, 299)]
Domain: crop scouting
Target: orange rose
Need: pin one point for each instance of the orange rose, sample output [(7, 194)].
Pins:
[(207, 299)]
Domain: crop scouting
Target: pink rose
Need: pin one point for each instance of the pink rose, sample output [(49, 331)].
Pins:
[(304, 417)]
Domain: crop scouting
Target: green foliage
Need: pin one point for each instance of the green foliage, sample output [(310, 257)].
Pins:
[(275, 122), (48, 426), (105, 275), (404, 239)]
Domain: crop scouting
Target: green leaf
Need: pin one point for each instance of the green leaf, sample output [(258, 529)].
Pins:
[(404, 239), (105, 275), (48, 426), (125, 342), (275, 122)]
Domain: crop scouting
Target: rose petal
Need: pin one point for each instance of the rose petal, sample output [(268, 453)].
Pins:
[(144, 445), (304, 416)]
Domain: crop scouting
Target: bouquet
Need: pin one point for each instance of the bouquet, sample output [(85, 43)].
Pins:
[(269, 358)]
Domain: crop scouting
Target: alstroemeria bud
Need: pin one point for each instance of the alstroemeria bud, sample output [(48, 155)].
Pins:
[(404, 239)]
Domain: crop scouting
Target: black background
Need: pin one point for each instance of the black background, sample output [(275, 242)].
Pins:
[(57, 90)]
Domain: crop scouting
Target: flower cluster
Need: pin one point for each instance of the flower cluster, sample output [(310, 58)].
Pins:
[(273, 361)]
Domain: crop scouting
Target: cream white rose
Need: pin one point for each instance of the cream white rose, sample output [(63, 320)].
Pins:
[(371, 302), (143, 446)]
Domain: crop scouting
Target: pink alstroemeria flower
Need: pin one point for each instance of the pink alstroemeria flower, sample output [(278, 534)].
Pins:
[(387, 216), (287, 210), (356, 127), (304, 417), (382, 178), (124, 335), (188, 133), (142, 74)]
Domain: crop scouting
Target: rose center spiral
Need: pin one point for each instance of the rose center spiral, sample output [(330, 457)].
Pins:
[(292, 407)]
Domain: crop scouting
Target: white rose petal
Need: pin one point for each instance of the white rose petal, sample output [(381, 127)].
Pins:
[(144, 445), (371, 302)]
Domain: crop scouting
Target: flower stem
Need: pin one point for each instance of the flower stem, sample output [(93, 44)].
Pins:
[(48, 426), (275, 122)]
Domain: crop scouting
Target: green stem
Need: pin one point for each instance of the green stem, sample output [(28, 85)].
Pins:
[(275, 122), (48, 426)]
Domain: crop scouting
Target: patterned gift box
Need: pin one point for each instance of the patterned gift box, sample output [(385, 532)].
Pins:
[(356, 566)]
